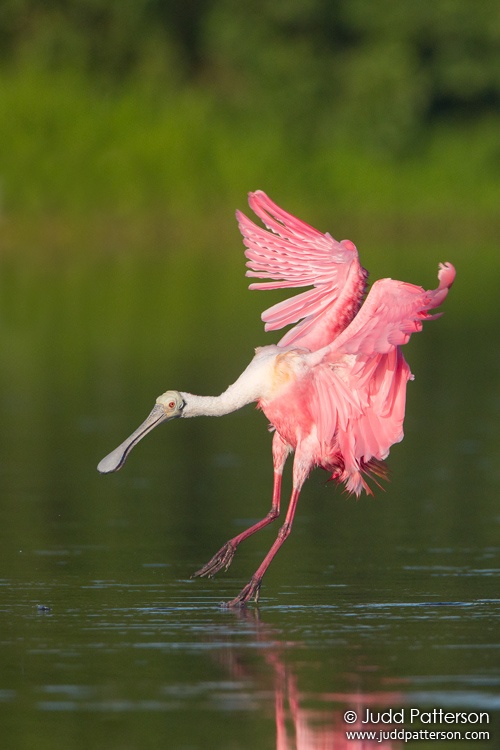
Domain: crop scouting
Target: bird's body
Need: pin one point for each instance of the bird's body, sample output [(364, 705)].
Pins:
[(334, 387)]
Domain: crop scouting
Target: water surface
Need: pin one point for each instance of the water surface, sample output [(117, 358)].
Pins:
[(106, 641)]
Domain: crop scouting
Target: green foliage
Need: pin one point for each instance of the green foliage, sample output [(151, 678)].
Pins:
[(150, 112), (67, 147), (377, 73), (105, 39)]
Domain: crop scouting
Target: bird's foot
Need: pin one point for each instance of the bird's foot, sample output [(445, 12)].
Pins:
[(222, 559), (250, 591)]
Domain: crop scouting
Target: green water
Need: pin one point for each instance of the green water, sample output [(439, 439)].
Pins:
[(106, 642)]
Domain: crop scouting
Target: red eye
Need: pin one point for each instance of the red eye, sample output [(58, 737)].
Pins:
[(171, 404)]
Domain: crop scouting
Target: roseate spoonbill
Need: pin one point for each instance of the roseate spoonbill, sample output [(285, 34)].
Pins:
[(334, 386)]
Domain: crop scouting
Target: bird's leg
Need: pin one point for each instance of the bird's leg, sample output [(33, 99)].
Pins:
[(224, 557), (252, 589), (301, 467)]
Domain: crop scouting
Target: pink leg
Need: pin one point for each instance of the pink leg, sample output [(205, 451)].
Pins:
[(251, 590), (224, 557)]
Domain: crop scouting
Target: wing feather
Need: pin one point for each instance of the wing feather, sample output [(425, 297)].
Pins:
[(359, 381), (392, 311), (359, 414), (290, 254)]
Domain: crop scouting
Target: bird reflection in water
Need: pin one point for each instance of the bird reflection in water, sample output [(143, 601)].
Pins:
[(306, 720)]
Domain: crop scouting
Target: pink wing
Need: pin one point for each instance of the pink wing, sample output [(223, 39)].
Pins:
[(359, 415), (294, 254), (359, 381), (392, 311)]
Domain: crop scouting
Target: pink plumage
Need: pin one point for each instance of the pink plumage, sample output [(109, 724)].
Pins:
[(294, 254), (354, 387), (334, 387)]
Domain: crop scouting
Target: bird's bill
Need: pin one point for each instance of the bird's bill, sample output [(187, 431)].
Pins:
[(115, 460)]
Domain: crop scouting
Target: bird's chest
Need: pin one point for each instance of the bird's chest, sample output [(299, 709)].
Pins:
[(289, 414), (285, 400)]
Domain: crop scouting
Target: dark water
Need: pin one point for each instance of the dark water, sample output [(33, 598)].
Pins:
[(376, 604)]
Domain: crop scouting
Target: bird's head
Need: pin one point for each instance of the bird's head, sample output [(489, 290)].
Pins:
[(168, 406), (172, 403)]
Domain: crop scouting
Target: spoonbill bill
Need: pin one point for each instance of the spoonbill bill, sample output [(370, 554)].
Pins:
[(334, 386)]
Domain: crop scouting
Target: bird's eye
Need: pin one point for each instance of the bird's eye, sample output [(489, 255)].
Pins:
[(171, 404)]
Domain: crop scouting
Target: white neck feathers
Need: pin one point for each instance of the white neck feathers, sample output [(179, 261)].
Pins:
[(255, 382)]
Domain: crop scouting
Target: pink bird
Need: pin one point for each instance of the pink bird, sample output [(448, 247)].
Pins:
[(334, 386)]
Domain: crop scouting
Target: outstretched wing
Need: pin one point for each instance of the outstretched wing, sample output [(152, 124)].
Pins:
[(359, 384), (393, 310), (294, 254)]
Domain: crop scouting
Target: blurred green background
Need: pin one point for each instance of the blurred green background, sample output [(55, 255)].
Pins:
[(149, 120), (130, 131)]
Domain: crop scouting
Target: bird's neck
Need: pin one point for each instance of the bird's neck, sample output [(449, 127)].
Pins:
[(216, 406), (253, 384)]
